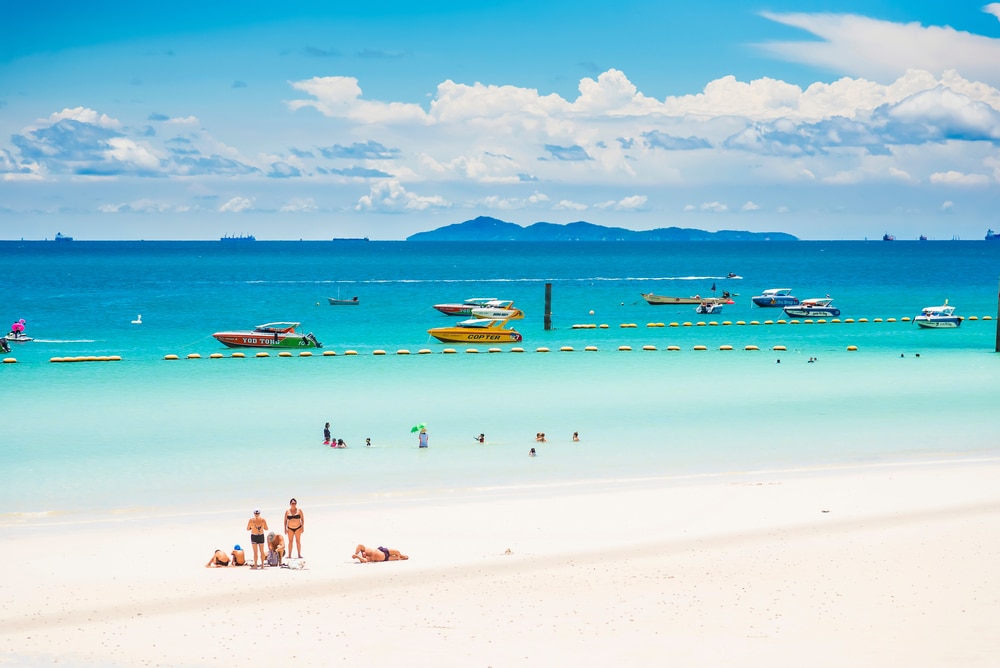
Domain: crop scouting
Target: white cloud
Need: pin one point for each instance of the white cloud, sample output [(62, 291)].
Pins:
[(184, 120), (512, 203), (750, 206), (715, 207), (569, 205), (299, 205), (883, 50), (993, 8), (237, 205), (947, 205), (630, 203), (390, 196), (959, 179)]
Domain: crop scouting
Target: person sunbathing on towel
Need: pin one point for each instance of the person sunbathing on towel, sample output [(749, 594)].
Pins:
[(364, 555)]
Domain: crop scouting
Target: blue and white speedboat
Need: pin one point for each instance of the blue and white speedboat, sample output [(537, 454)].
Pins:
[(776, 297), (813, 308), (938, 317)]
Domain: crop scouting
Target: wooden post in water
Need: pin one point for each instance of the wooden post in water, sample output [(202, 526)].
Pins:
[(996, 348), (548, 311)]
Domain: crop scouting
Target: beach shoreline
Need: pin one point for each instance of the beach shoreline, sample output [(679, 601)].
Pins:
[(877, 565)]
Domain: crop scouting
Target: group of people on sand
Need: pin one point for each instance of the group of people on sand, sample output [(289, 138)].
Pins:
[(268, 549), (295, 526)]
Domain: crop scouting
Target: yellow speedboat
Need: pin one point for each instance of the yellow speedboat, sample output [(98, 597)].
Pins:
[(478, 330)]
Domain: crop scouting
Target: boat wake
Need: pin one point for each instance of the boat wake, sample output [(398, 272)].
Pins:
[(65, 340)]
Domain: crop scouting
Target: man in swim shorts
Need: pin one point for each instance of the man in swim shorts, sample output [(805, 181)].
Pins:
[(239, 558), (257, 526), (220, 558), (364, 555)]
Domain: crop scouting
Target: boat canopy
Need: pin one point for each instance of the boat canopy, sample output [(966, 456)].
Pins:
[(774, 292), (279, 327)]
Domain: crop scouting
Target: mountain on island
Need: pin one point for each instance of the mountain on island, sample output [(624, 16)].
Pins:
[(485, 228)]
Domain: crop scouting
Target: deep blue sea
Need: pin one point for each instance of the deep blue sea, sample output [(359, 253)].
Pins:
[(148, 435)]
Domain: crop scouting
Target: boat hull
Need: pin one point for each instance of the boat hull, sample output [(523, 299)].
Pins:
[(806, 312), (459, 335), (938, 323), (343, 302), (660, 300), (265, 340)]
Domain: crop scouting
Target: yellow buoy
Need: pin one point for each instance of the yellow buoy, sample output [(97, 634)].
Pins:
[(700, 323), (329, 353), (402, 351), (852, 348), (725, 347), (972, 317), (727, 322), (848, 320), (566, 349), (495, 350), (262, 354), (673, 349), (591, 349), (305, 353), (10, 360), (517, 350), (543, 349), (216, 356), (750, 348), (686, 324), (700, 348), (350, 352), (603, 326), (740, 322), (378, 352), (649, 347), (880, 320), (779, 348), (472, 350), (675, 324), (625, 348), (194, 356), (238, 355), (284, 353), (713, 323), (424, 351), (754, 322), (862, 319), (448, 351), (56, 359), (170, 357)]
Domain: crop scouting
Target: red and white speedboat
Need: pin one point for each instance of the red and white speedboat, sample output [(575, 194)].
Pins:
[(270, 335), (465, 308)]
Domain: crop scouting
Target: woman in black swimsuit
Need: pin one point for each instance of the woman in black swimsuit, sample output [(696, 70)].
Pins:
[(295, 525)]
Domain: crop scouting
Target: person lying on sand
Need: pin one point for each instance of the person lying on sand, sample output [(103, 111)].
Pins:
[(364, 555), (220, 558)]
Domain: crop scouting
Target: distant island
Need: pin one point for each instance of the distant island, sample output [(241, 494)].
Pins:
[(485, 228)]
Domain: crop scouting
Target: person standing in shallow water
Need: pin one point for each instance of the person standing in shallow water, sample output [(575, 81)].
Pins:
[(422, 439), (295, 526), (326, 434)]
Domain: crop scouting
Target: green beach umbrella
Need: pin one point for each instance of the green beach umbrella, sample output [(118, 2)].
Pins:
[(417, 427)]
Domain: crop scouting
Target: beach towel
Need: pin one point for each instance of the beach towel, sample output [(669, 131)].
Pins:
[(296, 564)]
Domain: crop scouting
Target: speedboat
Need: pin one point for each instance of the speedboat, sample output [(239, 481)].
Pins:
[(938, 317), (343, 302), (776, 297), (269, 335), (465, 308), (708, 308), (660, 300), (476, 330), (809, 308), (498, 310)]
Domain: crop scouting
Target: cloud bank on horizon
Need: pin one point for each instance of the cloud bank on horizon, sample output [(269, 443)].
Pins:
[(909, 131)]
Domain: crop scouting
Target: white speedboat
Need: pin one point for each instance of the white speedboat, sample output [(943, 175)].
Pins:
[(465, 308), (938, 317), (708, 308), (776, 297), (498, 310), (813, 308)]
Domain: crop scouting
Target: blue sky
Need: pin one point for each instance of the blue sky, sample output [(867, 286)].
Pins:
[(828, 120)]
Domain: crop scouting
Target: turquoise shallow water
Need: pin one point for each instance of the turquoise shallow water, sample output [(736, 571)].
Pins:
[(147, 435)]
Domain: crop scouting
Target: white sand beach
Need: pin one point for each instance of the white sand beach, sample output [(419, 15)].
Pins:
[(870, 566)]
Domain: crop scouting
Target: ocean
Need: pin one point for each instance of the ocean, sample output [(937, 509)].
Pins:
[(148, 436)]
